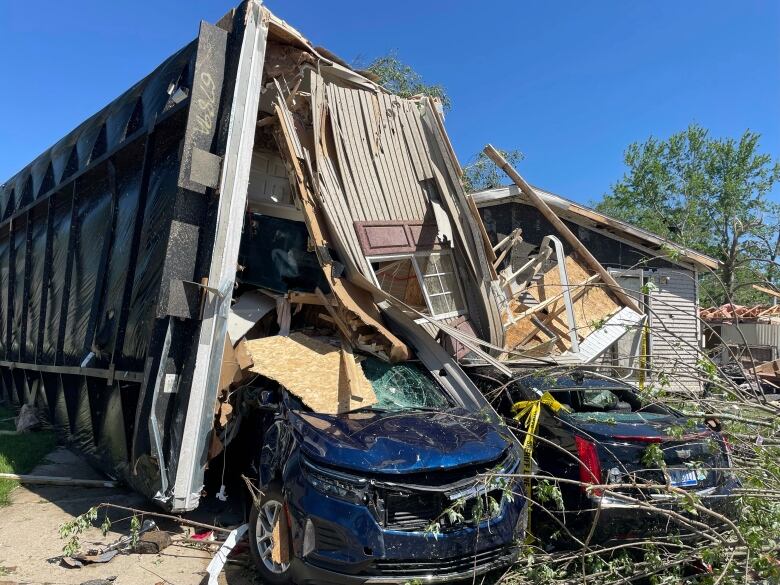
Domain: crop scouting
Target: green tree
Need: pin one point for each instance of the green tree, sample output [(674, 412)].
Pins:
[(482, 173), (399, 78), (709, 194)]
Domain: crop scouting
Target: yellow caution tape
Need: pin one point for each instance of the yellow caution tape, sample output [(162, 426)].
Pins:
[(528, 413)]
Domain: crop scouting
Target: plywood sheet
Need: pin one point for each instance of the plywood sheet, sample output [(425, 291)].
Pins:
[(315, 372), (516, 333), (593, 306)]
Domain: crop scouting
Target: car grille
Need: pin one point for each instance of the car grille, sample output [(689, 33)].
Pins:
[(411, 511), (439, 567)]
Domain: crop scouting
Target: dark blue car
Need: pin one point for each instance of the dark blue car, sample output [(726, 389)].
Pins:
[(412, 487)]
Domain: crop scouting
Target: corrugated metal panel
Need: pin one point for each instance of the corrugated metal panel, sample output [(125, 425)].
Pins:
[(751, 334)]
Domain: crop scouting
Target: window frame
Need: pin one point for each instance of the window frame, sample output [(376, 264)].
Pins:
[(412, 257)]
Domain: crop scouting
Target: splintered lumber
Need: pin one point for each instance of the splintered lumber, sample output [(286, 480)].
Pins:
[(591, 306), (280, 553), (489, 252), (348, 296), (768, 369), (316, 372), (768, 291), (567, 234)]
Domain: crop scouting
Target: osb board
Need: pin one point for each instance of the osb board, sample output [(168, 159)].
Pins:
[(592, 306), (515, 333), (312, 370)]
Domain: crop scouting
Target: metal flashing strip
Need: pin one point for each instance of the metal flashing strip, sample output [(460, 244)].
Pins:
[(121, 376), (222, 271)]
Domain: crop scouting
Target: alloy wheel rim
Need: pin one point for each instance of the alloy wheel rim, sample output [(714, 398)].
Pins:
[(269, 514)]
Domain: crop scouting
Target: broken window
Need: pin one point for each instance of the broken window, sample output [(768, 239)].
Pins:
[(426, 282), (403, 387), (587, 397)]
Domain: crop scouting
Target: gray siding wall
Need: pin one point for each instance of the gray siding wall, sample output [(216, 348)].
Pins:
[(675, 337)]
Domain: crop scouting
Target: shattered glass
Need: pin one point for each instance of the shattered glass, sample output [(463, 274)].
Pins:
[(402, 387), (599, 399)]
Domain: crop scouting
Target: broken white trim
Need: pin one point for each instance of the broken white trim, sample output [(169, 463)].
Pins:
[(215, 566), (616, 327)]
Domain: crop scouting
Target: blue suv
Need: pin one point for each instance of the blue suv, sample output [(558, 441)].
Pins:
[(414, 487)]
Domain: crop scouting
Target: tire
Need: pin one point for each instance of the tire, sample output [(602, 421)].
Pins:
[(261, 543)]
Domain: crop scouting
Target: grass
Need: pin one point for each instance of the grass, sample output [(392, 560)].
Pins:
[(20, 453)]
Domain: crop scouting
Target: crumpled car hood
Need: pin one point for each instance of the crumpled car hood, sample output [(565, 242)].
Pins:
[(396, 443)]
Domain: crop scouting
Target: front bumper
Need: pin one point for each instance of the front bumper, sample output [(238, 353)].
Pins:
[(346, 544), (434, 571)]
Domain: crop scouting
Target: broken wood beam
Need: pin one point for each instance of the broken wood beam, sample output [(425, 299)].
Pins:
[(515, 235), (343, 328), (558, 224), (307, 298), (489, 252), (765, 290)]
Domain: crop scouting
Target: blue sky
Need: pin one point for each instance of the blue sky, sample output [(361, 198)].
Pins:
[(569, 83)]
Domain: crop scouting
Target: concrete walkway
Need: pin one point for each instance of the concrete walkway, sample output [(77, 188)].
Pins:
[(30, 545)]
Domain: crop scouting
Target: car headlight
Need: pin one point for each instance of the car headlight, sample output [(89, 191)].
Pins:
[(335, 483)]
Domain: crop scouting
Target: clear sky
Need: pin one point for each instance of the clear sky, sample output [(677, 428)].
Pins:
[(570, 83)]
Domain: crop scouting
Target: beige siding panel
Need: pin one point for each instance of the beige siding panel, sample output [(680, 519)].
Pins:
[(407, 139), (370, 108), (339, 217), (414, 133), (368, 127), (397, 175), (407, 186), (362, 206), (375, 197), (348, 175)]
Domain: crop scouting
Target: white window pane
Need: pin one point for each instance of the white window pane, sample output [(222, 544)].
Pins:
[(452, 285), (430, 264), (441, 286), (433, 285), (442, 304)]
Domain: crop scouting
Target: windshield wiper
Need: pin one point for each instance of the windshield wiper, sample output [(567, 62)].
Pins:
[(429, 408)]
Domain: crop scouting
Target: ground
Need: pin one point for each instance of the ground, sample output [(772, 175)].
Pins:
[(14, 458), (30, 545)]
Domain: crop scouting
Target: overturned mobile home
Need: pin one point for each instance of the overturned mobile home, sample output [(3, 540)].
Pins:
[(252, 185)]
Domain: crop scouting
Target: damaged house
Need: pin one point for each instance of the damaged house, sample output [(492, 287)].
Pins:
[(663, 284), (243, 263), (251, 185), (257, 264)]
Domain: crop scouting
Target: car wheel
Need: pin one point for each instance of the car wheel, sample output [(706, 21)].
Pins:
[(266, 512)]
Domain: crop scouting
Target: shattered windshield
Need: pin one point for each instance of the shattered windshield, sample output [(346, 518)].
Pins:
[(403, 387)]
